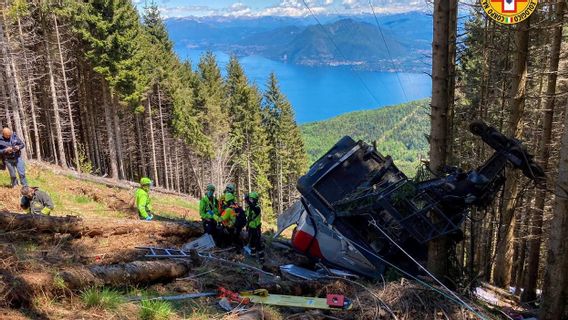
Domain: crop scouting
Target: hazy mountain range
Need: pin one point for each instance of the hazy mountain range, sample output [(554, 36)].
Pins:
[(339, 40)]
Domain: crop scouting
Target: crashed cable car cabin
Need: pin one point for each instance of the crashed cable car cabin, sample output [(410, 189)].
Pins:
[(353, 194)]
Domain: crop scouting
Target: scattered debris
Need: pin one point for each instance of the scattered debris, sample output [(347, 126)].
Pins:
[(201, 244), (300, 272)]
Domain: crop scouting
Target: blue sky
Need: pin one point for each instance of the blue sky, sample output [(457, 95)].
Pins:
[(183, 8)]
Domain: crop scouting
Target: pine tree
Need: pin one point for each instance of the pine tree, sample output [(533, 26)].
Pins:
[(288, 158), (249, 145), (211, 109)]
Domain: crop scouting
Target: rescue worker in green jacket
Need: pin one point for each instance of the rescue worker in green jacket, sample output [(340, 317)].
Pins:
[(143, 202), (209, 212), (230, 188), (253, 214), (228, 220), (35, 201)]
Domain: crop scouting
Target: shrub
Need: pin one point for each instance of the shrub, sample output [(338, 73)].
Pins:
[(155, 310), (105, 298)]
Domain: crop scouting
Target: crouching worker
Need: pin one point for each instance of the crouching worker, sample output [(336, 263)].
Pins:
[(253, 225), (35, 201), (228, 221), (209, 212), (143, 203)]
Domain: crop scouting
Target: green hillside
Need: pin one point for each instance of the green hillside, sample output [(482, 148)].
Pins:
[(399, 130)]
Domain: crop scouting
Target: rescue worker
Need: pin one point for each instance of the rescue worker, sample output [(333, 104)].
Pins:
[(228, 222), (143, 203), (35, 201), (230, 188), (209, 212), (11, 151), (253, 214)]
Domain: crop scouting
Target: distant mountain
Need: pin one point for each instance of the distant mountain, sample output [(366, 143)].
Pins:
[(399, 131), (302, 41), (343, 42)]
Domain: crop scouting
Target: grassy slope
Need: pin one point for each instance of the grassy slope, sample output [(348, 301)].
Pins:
[(399, 131), (82, 198)]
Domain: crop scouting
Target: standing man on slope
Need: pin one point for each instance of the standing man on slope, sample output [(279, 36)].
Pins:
[(143, 203), (209, 212), (11, 151), (253, 225)]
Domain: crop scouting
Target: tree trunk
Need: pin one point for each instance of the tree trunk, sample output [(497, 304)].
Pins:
[(555, 288), (153, 145), (67, 96), (11, 80), (529, 294), (37, 151), (142, 165), (163, 136), (57, 119), (438, 249), (118, 136), (24, 288), (504, 257), (92, 227), (110, 132)]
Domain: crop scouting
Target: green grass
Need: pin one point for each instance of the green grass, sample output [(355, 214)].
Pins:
[(59, 282), (155, 310), (178, 202), (101, 298), (23, 250), (82, 199)]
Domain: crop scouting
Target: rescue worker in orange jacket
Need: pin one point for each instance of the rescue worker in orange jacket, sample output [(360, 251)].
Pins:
[(228, 221)]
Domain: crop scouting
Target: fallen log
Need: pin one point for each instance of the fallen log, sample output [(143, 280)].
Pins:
[(125, 274), (20, 289), (108, 182), (92, 227)]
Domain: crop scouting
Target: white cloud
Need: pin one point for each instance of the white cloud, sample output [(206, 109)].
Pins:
[(238, 9), (297, 8), (186, 11)]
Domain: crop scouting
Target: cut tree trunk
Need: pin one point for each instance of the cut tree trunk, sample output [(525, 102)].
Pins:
[(96, 227), (21, 289), (125, 274)]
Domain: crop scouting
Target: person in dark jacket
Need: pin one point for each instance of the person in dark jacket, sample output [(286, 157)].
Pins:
[(11, 151), (36, 201)]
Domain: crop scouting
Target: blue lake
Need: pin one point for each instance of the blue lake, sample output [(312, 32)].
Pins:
[(319, 93)]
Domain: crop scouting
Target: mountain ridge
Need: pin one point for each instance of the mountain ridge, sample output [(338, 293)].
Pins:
[(304, 42)]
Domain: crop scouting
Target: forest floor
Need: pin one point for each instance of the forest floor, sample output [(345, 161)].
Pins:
[(30, 256)]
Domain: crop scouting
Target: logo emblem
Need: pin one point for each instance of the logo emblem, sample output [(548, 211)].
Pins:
[(509, 11)]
